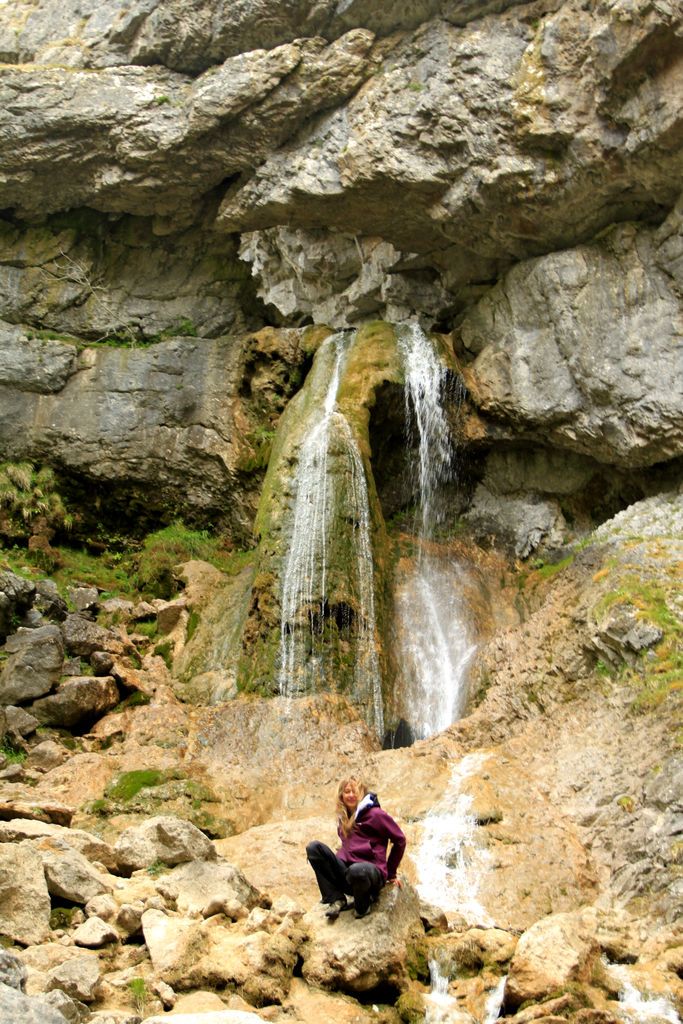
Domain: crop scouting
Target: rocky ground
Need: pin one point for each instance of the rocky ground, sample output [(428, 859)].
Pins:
[(152, 850)]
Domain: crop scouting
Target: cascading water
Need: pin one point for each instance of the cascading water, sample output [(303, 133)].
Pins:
[(448, 861), (636, 1006), (326, 503), (434, 634)]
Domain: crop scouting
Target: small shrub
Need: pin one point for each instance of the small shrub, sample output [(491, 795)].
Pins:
[(156, 868), (138, 991)]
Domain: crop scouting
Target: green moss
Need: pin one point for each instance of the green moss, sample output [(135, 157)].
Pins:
[(416, 962), (13, 754), (165, 650), (60, 917), (133, 700), (129, 784), (411, 1008)]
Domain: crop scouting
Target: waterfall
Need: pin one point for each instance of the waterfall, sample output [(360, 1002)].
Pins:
[(326, 503), (494, 1002), (449, 862), (434, 635), (638, 1007)]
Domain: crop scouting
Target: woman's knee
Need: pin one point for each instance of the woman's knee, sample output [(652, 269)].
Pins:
[(315, 849)]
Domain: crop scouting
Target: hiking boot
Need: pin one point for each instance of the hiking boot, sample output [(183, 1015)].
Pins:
[(335, 909), (362, 911)]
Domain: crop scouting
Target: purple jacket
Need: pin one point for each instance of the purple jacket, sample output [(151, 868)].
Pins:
[(373, 830)]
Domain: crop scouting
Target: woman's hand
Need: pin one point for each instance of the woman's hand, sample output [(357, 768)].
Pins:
[(394, 881)]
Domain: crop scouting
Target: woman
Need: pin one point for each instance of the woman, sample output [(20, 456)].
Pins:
[(361, 866)]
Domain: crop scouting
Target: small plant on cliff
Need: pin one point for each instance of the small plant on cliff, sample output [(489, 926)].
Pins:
[(138, 991), (29, 501)]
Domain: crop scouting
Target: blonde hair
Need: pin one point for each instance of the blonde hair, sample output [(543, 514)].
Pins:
[(347, 821)]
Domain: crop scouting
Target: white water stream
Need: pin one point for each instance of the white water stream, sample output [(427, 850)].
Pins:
[(435, 638), (449, 862), (304, 592), (639, 1007)]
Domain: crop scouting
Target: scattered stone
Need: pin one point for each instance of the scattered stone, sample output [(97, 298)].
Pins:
[(103, 906), (79, 978), (91, 847), (19, 722), (77, 700), (34, 665), (84, 599), (165, 993), (83, 637), (68, 873), (129, 918), (202, 887), (73, 1011), (101, 662), (24, 897), (49, 602), (169, 840), (12, 971), (40, 810), (47, 755), (95, 933), (433, 917), (169, 614), (17, 1007)]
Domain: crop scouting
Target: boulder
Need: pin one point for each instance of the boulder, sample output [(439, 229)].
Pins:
[(79, 977), (47, 755), (91, 847), (24, 897), (202, 886), (49, 601), (187, 954), (359, 956), (84, 599), (78, 699), (19, 723), (169, 840), (83, 637), (12, 971), (95, 933), (555, 951), (68, 874), (15, 1006), (34, 665)]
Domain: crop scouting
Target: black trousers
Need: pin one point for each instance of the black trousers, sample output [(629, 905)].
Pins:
[(337, 879)]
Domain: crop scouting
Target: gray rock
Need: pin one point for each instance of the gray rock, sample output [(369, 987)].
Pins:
[(665, 790), (201, 883), (20, 722), (12, 971), (102, 662), (129, 918), (79, 978), (68, 873), (71, 1010), (21, 592), (169, 840), (34, 665), (49, 601), (537, 335), (83, 637), (47, 755), (84, 599), (95, 933), (105, 907), (15, 1007), (521, 523), (78, 699), (24, 898)]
